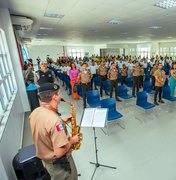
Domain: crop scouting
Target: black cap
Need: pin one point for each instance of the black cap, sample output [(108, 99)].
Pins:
[(48, 87)]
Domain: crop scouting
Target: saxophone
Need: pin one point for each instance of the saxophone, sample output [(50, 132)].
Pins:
[(75, 128)]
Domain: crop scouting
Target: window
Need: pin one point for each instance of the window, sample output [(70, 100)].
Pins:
[(7, 79), (168, 51), (76, 53), (144, 52)]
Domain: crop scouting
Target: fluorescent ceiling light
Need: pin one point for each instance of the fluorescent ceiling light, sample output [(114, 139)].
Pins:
[(155, 27), (166, 4), (54, 15), (114, 21), (46, 28)]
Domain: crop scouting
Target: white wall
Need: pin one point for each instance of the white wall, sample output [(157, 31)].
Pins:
[(98, 47), (42, 51), (54, 51), (127, 48), (10, 141)]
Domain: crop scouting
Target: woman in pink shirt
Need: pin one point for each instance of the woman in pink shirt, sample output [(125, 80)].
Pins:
[(73, 74)]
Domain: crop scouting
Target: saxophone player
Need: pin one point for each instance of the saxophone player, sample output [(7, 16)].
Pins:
[(52, 141)]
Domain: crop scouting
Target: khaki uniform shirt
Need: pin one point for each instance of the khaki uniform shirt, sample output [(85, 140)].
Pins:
[(112, 74), (48, 132), (102, 70), (85, 77), (153, 71), (124, 71), (161, 76), (136, 71)]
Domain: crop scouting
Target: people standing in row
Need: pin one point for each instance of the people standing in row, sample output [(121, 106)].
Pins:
[(85, 78), (172, 79), (102, 72), (73, 74), (135, 73), (29, 75), (160, 78), (112, 76), (44, 75), (49, 132), (155, 67), (93, 69), (141, 76), (124, 72)]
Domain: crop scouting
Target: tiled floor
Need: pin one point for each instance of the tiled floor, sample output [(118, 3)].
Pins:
[(141, 151)]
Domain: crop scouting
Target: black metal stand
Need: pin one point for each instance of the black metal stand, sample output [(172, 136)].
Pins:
[(97, 164)]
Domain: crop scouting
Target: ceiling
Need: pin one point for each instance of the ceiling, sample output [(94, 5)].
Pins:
[(85, 22)]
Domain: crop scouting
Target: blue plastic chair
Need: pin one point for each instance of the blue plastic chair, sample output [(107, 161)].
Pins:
[(142, 102), (147, 87), (123, 92), (166, 94), (129, 81), (110, 103), (106, 86), (119, 78), (96, 81), (93, 98), (147, 78)]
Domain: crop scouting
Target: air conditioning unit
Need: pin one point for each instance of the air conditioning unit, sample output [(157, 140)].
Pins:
[(22, 23)]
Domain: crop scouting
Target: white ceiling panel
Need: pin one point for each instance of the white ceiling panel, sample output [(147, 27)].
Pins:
[(86, 21)]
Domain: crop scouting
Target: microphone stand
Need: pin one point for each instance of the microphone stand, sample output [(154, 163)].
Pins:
[(97, 164)]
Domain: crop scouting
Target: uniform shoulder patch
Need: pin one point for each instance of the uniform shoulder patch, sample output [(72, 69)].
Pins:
[(60, 127)]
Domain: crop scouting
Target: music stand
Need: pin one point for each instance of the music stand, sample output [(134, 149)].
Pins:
[(95, 117)]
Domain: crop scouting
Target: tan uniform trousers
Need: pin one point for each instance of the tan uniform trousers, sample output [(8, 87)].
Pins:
[(57, 173)]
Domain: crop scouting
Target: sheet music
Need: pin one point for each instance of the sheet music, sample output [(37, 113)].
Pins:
[(88, 117), (99, 118), (94, 117)]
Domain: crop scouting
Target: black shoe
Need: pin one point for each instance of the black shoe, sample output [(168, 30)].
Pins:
[(134, 96), (118, 100), (96, 89), (69, 94), (161, 101), (156, 103)]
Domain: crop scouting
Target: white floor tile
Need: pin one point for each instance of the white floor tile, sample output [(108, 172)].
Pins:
[(142, 151)]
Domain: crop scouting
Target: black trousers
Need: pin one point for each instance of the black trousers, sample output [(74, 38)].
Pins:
[(141, 79), (157, 90), (135, 85), (113, 84), (153, 82), (102, 78), (123, 80), (85, 87), (92, 81)]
